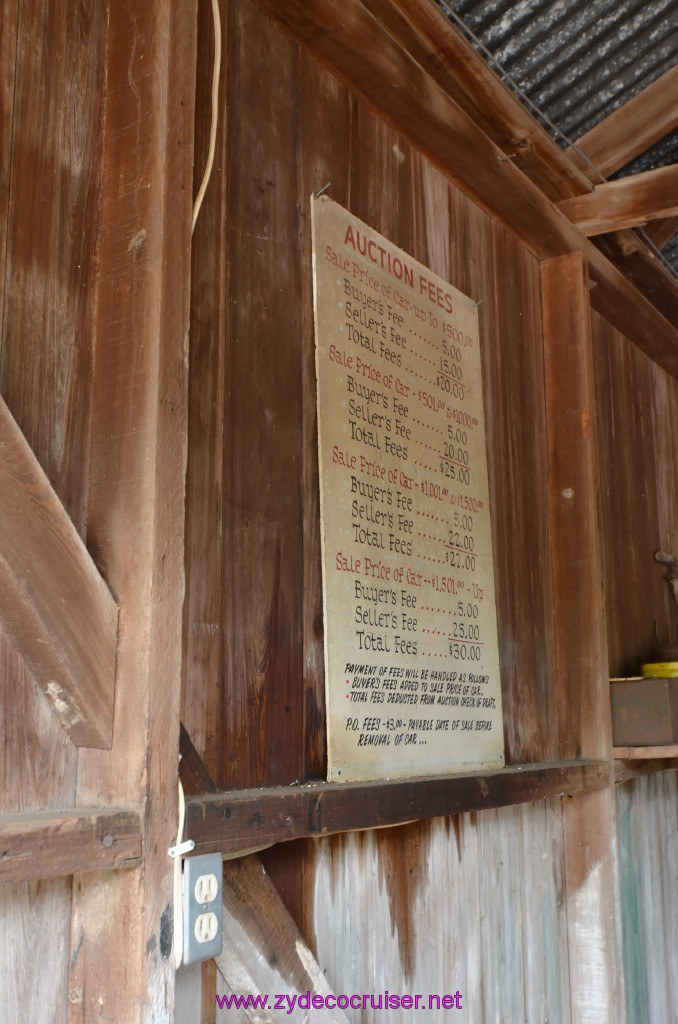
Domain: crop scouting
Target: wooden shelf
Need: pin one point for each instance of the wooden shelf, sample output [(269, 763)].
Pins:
[(241, 820), (644, 753)]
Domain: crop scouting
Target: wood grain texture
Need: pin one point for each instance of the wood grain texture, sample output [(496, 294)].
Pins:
[(647, 828), (37, 770), (53, 603), (54, 57), (51, 242), (243, 819), (263, 951), (579, 605), (203, 639), (626, 202), (636, 408), (580, 637), (262, 526), (50, 844), (631, 129), (9, 16), (485, 872), (657, 753), (136, 499)]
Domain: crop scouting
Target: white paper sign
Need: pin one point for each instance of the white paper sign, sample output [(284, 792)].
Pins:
[(411, 653)]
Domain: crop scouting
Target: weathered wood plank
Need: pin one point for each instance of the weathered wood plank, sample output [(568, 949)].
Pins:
[(9, 14), (37, 770), (580, 635), (203, 639), (626, 202), (50, 844), (636, 411), (243, 819), (631, 129), (632, 769), (264, 952), (579, 606), (53, 603), (136, 508), (645, 753), (262, 697), (51, 242)]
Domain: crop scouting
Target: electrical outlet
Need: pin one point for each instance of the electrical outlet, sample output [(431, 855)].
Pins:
[(203, 877), (206, 889), (206, 928)]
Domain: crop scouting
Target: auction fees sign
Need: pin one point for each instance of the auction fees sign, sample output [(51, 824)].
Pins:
[(411, 652)]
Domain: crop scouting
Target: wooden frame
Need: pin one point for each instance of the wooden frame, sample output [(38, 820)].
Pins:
[(49, 844)]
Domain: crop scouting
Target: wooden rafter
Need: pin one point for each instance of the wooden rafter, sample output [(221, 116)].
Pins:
[(52, 844), (627, 202), (661, 232), (54, 604), (357, 47), (631, 129)]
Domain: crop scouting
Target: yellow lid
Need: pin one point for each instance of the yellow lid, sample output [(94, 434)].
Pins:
[(663, 669)]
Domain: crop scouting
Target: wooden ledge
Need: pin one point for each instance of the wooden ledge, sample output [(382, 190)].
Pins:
[(51, 844), (644, 753), (240, 820)]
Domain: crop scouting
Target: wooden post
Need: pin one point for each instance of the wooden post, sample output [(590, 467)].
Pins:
[(121, 967), (596, 981)]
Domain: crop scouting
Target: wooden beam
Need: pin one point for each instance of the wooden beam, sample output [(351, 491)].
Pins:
[(579, 607), (625, 203), (362, 53), (631, 129), (53, 844), (244, 819), (580, 634), (264, 952), (436, 44), (449, 59), (54, 604), (136, 498), (646, 753), (660, 232)]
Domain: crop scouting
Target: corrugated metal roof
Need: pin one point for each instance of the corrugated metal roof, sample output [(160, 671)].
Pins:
[(577, 61)]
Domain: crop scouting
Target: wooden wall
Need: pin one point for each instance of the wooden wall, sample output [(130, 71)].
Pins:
[(52, 105), (95, 196), (253, 686), (637, 419), (647, 829), (476, 902)]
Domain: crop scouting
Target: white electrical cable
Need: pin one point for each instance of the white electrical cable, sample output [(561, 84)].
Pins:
[(215, 111), (181, 847), (178, 890)]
